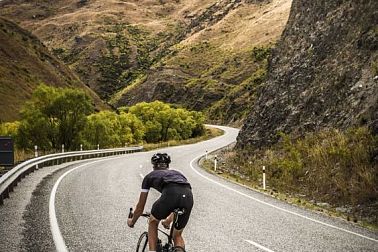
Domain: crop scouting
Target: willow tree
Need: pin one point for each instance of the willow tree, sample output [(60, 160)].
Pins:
[(54, 116)]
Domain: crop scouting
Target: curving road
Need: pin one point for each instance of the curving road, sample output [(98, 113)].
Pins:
[(83, 206)]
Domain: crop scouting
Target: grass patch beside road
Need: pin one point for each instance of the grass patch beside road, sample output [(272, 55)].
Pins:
[(329, 171)]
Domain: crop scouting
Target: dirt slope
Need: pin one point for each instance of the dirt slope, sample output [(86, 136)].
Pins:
[(24, 63)]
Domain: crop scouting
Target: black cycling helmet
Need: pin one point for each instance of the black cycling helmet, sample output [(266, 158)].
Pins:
[(161, 158)]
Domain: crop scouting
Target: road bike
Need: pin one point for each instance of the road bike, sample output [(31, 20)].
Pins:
[(142, 245)]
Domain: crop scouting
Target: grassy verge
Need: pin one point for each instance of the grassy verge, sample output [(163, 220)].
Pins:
[(297, 200), (332, 172), (210, 133)]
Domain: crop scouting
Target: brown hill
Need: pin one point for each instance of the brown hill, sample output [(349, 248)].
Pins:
[(25, 63), (176, 51), (215, 68), (108, 43)]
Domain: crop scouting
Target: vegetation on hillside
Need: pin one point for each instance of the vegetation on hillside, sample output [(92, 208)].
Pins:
[(114, 46), (56, 116), (204, 77), (333, 166), (238, 100)]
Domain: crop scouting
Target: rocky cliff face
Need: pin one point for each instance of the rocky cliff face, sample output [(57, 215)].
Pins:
[(323, 73)]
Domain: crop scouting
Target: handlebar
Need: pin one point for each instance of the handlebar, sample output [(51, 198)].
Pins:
[(131, 214), (177, 212)]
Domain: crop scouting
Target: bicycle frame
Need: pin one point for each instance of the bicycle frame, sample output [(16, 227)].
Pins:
[(169, 244), (176, 214)]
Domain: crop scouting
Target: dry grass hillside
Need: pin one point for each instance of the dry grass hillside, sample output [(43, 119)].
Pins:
[(25, 63), (246, 26), (116, 46), (219, 64)]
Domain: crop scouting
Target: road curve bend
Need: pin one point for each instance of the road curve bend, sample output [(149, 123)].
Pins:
[(83, 206)]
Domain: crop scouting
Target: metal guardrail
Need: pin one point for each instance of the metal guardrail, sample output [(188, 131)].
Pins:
[(10, 179)]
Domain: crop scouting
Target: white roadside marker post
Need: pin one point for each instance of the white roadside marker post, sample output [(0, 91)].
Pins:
[(215, 163), (206, 155), (264, 187), (62, 148), (81, 147), (98, 146)]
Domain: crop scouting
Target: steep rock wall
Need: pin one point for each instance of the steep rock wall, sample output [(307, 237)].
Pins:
[(323, 73)]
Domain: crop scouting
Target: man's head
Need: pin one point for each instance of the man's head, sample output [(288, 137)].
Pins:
[(160, 161)]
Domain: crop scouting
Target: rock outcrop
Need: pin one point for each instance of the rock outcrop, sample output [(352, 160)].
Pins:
[(323, 73)]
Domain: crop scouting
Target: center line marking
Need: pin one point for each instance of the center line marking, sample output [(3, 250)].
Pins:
[(259, 246)]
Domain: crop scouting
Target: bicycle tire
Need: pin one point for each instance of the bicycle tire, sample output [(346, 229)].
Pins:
[(142, 243)]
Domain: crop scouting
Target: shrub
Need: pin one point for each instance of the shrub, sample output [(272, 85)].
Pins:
[(54, 116), (331, 165)]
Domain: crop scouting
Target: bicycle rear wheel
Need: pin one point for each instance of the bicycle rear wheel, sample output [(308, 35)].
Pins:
[(143, 243)]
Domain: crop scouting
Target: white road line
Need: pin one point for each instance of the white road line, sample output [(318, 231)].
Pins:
[(276, 207), (54, 227), (259, 246)]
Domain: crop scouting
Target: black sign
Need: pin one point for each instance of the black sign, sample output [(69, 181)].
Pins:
[(6, 151)]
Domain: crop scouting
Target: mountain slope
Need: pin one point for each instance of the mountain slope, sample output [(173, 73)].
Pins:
[(214, 68), (176, 51), (108, 43), (25, 63), (323, 73)]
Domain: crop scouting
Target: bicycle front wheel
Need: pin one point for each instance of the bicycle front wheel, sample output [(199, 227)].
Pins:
[(143, 243)]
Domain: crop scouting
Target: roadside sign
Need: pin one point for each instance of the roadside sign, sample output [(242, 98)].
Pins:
[(6, 151)]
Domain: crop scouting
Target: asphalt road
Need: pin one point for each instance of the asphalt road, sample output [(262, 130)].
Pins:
[(84, 207)]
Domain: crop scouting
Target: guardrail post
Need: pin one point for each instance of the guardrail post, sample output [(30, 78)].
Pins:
[(81, 147), (62, 148), (98, 147)]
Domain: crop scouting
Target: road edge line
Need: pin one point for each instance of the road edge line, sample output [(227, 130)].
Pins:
[(276, 207), (259, 246), (60, 245)]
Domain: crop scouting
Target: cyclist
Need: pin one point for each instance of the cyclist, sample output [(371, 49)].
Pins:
[(176, 192)]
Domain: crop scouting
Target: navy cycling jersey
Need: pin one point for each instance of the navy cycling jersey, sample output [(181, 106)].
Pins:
[(157, 179)]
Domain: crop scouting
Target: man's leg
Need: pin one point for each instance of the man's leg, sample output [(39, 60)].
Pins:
[(153, 233), (177, 238)]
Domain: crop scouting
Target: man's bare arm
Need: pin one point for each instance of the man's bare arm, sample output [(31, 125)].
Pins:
[(138, 209)]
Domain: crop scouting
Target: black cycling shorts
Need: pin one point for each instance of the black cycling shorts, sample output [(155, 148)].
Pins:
[(174, 196)]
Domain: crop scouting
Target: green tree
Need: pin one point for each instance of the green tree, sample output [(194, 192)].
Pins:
[(132, 129), (10, 129), (163, 122), (103, 128), (54, 116), (70, 109)]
